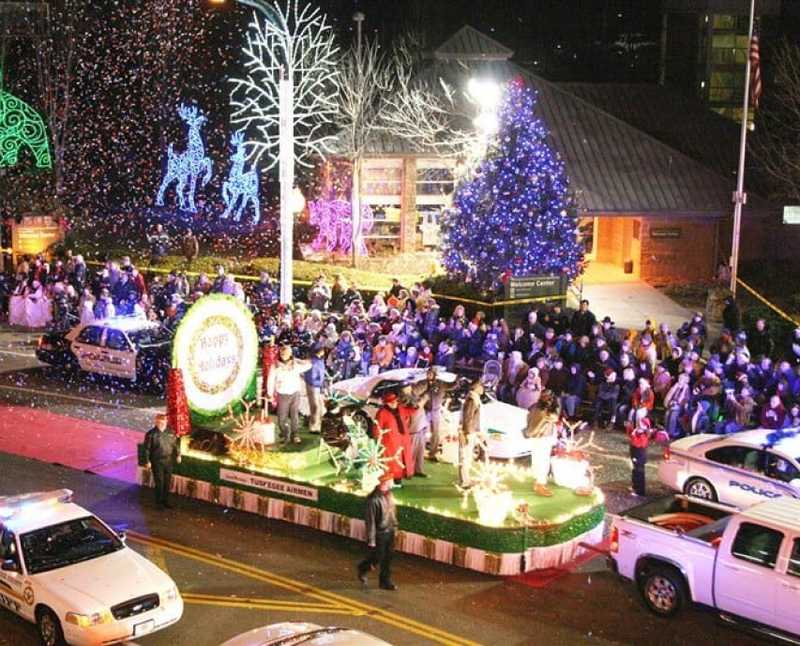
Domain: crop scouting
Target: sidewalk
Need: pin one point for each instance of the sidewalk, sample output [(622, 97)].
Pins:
[(628, 301)]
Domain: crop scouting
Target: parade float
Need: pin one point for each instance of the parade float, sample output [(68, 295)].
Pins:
[(230, 457)]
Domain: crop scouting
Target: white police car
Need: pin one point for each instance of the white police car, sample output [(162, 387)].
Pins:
[(739, 469), (73, 576), (131, 348)]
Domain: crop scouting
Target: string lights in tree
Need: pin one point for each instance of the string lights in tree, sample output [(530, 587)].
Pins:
[(514, 214), (297, 45)]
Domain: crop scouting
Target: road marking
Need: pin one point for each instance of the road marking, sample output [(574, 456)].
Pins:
[(326, 601), (261, 604)]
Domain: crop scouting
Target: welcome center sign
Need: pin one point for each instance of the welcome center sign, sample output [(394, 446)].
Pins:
[(216, 348)]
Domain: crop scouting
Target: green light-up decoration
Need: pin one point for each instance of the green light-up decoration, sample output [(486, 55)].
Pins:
[(20, 125)]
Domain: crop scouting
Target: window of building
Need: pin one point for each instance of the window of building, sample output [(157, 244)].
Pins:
[(382, 181), (434, 182)]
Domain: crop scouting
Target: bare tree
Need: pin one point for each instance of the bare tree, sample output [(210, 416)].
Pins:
[(382, 94), (56, 57), (298, 46), (421, 108), (778, 148)]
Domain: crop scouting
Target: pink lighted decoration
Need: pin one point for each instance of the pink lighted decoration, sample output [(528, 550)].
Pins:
[(333, 217)]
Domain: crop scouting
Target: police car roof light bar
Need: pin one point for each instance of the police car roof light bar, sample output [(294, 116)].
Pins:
[(14, 505)]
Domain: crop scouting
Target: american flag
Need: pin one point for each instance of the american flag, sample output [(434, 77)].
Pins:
[(755, 68)]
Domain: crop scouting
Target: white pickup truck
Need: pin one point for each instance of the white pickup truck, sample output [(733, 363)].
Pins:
[(745, 564)]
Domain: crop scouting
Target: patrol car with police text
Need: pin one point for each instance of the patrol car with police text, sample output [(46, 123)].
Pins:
[(739, 469), (127, 347), (74, 577)]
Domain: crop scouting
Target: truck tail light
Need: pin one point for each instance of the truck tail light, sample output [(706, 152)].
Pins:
[(613, 544), (666, 453)]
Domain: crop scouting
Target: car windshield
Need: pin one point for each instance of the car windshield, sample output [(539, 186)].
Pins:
[(58, 546), (150, 336)]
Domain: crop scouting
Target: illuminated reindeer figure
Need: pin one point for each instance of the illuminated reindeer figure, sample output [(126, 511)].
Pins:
[(240, 187), (185, 168), (335, 229)]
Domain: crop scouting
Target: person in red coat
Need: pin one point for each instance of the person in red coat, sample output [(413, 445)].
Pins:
[(390, 429)]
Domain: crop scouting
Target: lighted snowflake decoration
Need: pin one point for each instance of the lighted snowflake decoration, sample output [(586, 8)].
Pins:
[(372, 456), (485, 478), (248, 428)]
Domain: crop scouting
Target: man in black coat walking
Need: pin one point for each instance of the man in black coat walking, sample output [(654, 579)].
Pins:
[(381, 521), (161, 447)]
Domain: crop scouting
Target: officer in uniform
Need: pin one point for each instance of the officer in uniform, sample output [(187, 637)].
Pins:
[(161, 447)]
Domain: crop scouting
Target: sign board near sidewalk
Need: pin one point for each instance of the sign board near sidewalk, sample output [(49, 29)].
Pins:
[(34, 234), (522, 287)]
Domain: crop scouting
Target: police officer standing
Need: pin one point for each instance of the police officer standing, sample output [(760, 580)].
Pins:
[(161, 447)]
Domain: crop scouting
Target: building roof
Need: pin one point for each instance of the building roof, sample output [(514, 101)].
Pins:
[(468, 44), (699, 133), (617, 168)]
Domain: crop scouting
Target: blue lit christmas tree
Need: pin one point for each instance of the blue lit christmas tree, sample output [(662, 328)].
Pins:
[(514, 214)]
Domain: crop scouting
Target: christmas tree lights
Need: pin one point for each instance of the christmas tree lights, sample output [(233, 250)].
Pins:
[(514, 214)]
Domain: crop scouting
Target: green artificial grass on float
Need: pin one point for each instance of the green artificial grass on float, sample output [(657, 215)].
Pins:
[(432, 507)]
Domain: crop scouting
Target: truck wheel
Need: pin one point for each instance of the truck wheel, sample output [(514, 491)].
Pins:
[(700, 488), (50, 633), (663, 591)]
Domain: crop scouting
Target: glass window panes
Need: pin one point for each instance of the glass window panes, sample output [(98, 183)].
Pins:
[(794, 560), (757, 544)]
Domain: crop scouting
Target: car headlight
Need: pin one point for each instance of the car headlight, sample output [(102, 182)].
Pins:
[(171, 594), (84, 621)]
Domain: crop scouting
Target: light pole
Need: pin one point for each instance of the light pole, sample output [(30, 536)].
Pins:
[(740, 197), (358, 18), (285, 156)]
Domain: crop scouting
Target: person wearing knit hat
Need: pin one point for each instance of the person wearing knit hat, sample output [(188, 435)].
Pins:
[(643, 396)]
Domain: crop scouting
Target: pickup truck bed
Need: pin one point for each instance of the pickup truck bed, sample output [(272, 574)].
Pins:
[(666, 546)]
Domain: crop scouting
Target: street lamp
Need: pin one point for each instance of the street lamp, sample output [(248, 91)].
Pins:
[(485, 94), (358, 18), (285, 157)]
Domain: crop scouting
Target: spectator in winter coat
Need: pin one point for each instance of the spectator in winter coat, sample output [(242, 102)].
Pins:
[(773, 414), (607, 398), (529, 390), (582, 320), (731, 316), (383, 354), (793, 349), (574, 391), (759, 339)]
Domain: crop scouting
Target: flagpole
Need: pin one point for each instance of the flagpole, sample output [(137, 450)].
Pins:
[(740, 197)]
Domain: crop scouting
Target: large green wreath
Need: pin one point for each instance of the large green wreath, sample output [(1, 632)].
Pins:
[(232, 379)]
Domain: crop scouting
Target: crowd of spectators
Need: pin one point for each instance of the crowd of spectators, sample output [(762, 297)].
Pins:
[(687, 382)]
